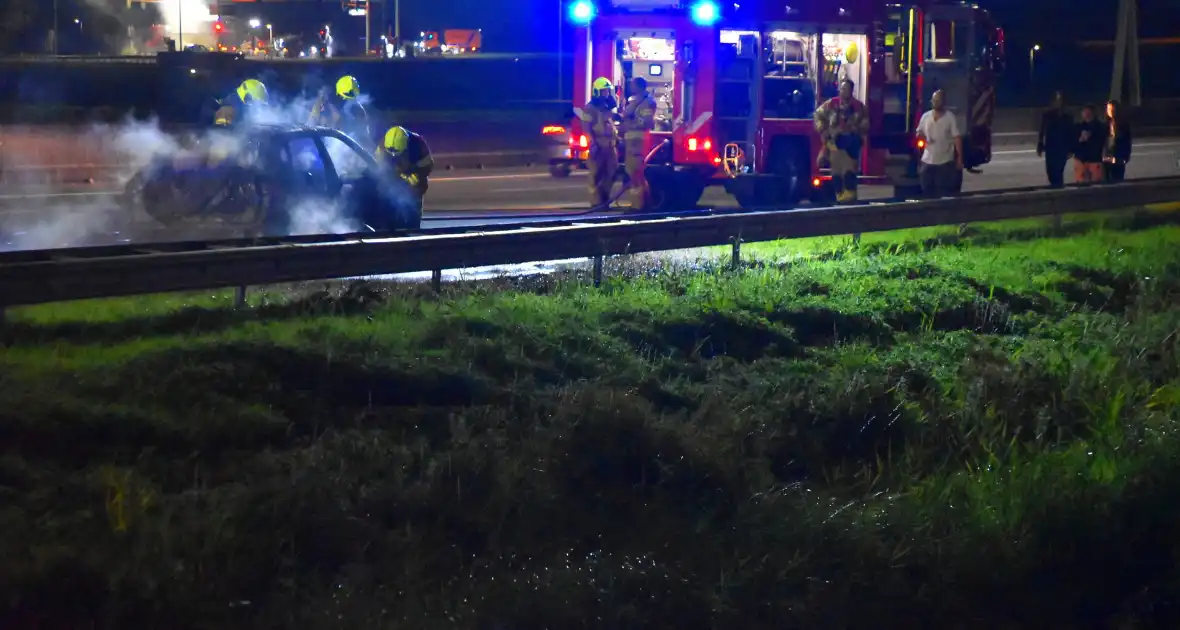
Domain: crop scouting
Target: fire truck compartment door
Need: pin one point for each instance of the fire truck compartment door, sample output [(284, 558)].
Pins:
[(947, 67)]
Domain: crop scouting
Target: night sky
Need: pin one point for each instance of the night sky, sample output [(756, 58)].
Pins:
[(530, 26)]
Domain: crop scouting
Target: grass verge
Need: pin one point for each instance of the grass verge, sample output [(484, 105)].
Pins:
[(927, 430)]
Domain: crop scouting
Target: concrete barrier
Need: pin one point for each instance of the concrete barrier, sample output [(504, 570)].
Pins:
[(70, 155)]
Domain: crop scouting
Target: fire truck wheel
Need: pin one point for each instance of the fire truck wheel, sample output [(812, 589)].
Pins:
[(790, 162), (560, 171)]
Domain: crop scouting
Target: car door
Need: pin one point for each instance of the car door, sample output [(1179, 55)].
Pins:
[(311, 199), (367, 192), (309, 167)]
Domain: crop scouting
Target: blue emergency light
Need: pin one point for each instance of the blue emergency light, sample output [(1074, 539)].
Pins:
[(582, 12), (706, 13)]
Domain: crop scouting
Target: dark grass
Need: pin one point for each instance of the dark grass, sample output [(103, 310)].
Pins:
[(929, 430)]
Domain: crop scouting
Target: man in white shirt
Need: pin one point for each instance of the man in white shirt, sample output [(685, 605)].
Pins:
[(942, 158)]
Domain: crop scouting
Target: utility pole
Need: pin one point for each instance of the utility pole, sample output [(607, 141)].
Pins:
[(180, 25), (54, 26), (560, 23), (397, 21), (1126, 56), (368, 26)]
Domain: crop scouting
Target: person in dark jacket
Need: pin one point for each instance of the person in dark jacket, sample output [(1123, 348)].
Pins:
[(1087, 154), (1056, 140), (1117, 151)]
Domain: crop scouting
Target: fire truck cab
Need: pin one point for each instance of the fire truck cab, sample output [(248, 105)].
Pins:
[(737, 85)]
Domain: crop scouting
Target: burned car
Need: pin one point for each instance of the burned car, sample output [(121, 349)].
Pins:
[(273, 181)]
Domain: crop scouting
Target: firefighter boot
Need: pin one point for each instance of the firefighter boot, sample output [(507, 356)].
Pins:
[(842, 165), (838, 188), (637, 189), (850, 185)]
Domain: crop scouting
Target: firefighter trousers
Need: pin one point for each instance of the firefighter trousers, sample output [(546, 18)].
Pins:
[(844, 166), (633, 162), (602, 163)]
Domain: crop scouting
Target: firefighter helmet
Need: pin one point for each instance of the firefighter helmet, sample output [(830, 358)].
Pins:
[(602, 87), (347, 87), (397, 139), (851, 53), (252, 90)]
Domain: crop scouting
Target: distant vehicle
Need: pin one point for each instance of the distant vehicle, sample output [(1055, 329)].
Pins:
[(462, 41), (273, 181), (429, 42), (456, 41)]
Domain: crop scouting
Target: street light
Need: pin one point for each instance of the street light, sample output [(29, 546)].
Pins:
[(255, 22), (1032, 63)]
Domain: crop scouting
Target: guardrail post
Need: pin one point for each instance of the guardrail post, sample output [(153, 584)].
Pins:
[(735, 261), (1057, 223), (436, 280), (240, 297), (856, 238), (598, 270)]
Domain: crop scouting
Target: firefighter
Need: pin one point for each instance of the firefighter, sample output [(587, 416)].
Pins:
[(343, 111), (406, 152), (639, 119), (599, 118), (249, 94), (842, 124)]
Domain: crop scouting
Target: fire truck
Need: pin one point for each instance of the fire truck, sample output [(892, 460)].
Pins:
[(737, 85)]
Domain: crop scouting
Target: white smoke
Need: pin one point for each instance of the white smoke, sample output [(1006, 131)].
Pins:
[(55, 225), (310, 217), (66, 218)]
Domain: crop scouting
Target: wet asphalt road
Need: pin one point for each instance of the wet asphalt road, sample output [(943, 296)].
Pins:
[(460, 198)]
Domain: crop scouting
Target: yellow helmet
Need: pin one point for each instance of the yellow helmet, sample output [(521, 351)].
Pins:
[(397, 139), (253, 90), (601, 85), (347, 87)]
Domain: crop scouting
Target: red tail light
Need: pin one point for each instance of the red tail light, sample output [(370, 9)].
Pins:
[(921, 144), (698, 144), (552, 130), (816, 182)]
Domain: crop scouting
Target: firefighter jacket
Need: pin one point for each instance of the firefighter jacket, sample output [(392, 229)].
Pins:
[(639, 117), (345, 114), (837, 117), (600, 125), (414, 164), (342, 113), (227, 110)]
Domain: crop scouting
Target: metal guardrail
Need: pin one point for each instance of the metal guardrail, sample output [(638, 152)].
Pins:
[(66, 274)]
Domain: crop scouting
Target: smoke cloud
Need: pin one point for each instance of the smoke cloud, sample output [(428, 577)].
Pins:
[(63, 217)]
